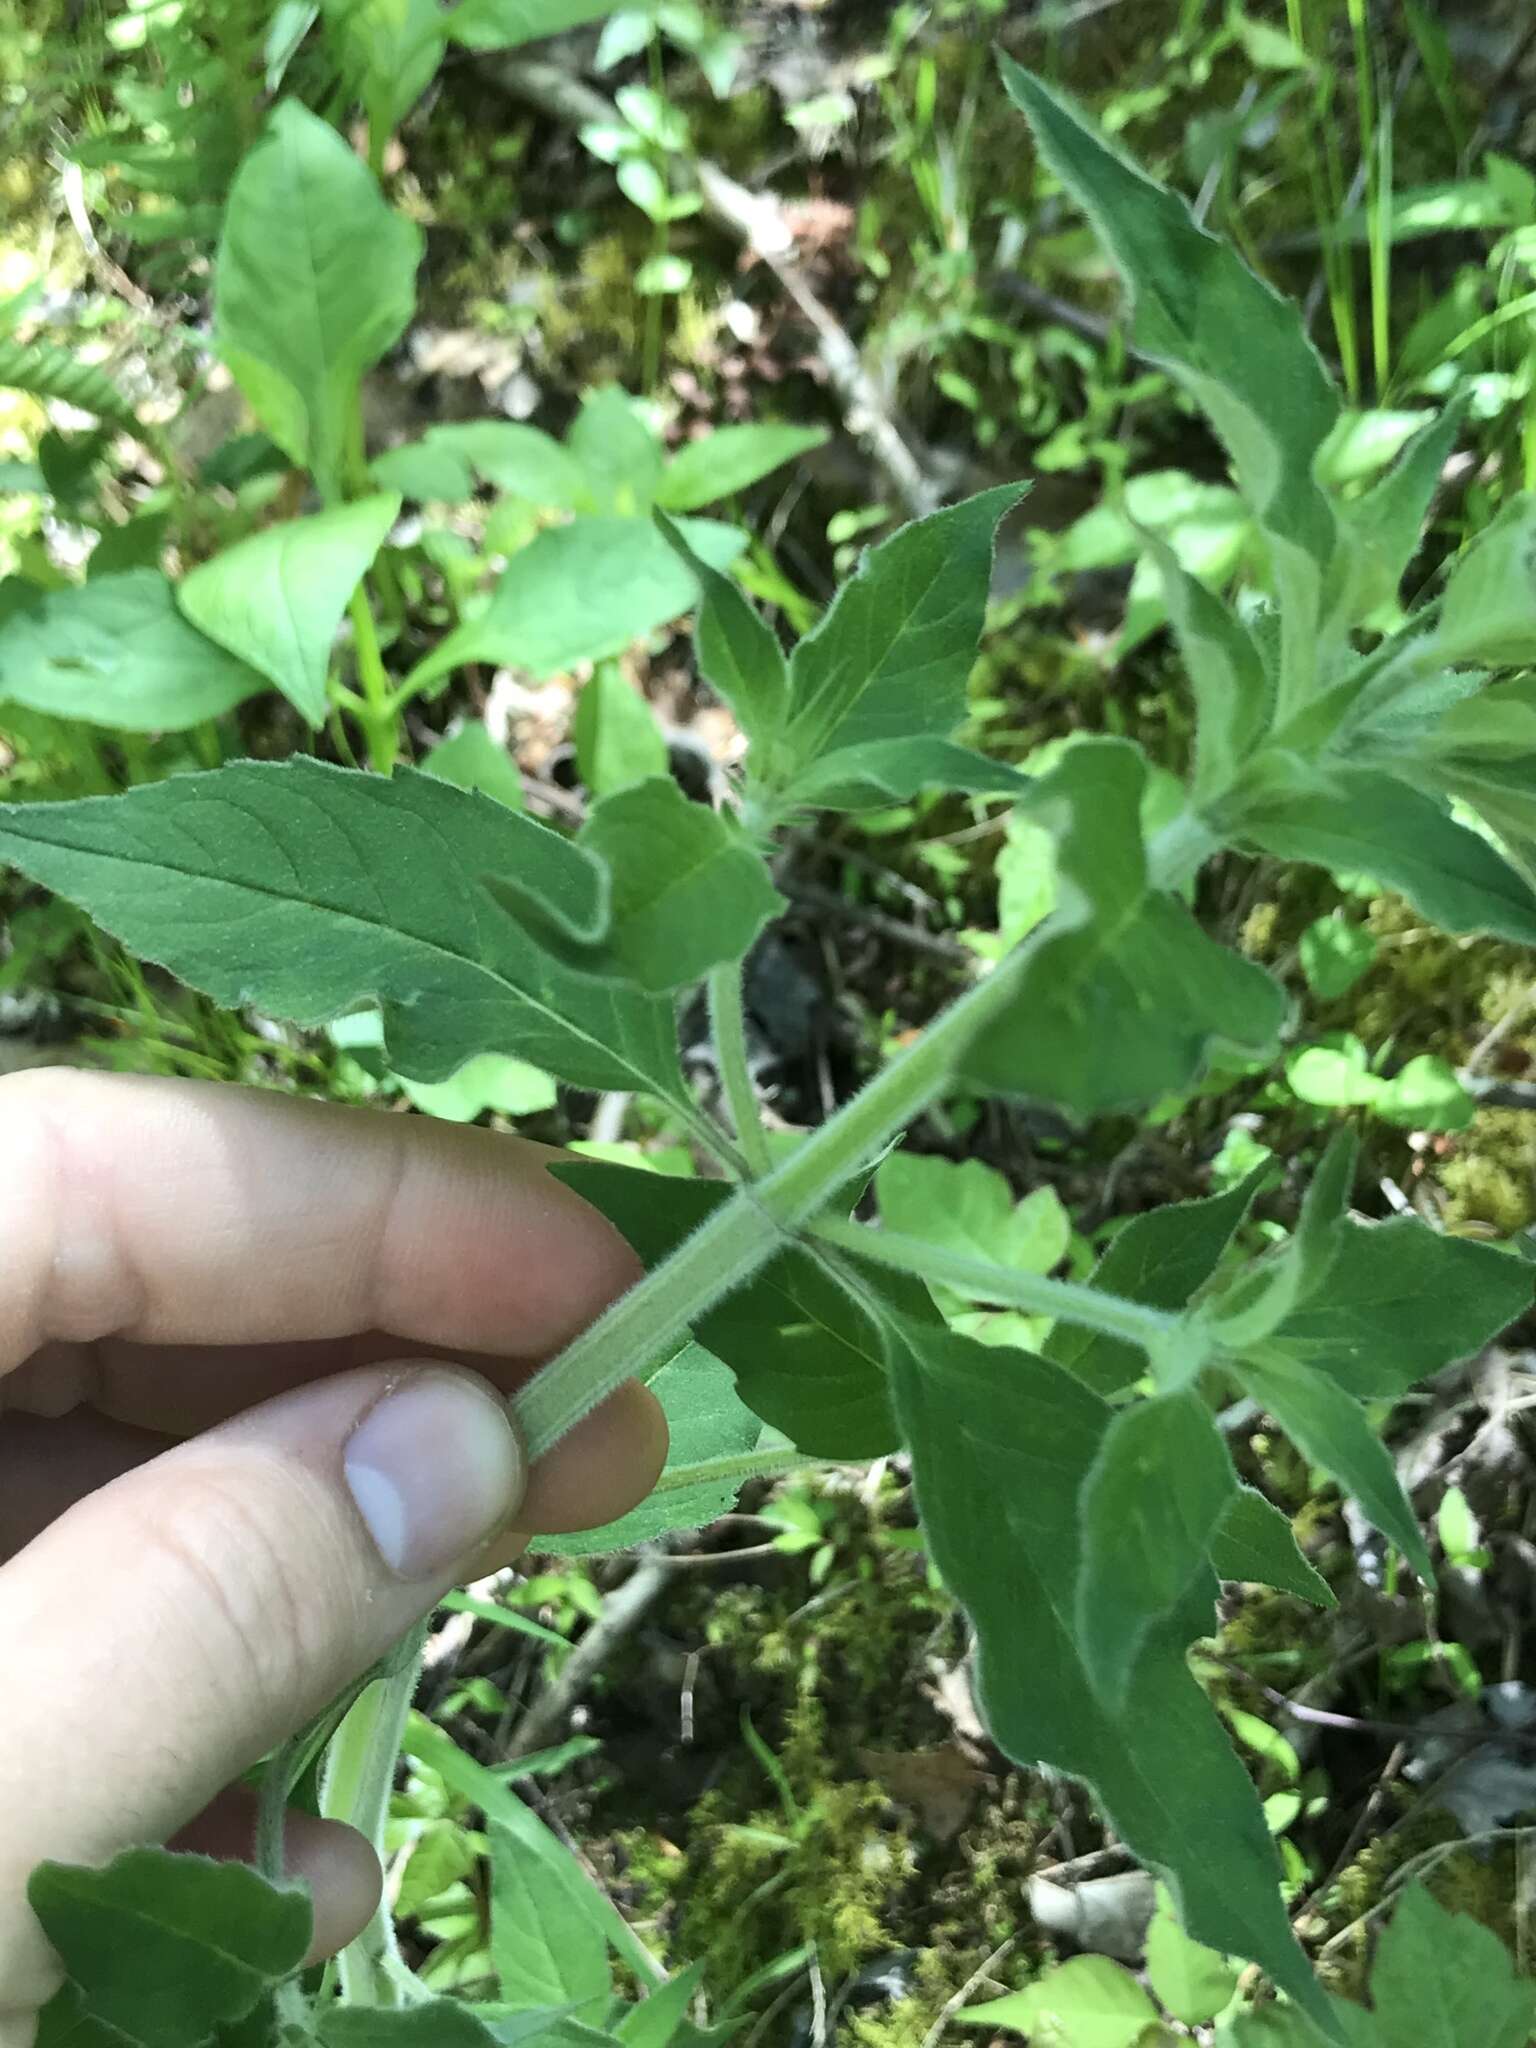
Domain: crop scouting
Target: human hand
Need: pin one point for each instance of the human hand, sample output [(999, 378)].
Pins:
[(249, 1434)]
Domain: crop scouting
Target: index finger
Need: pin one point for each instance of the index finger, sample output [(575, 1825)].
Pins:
[(184, 1212)]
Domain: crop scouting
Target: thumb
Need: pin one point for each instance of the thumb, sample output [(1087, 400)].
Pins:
[(192, 1614)]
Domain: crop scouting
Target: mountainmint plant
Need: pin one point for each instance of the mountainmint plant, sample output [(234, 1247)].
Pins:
[(1079, 1499)]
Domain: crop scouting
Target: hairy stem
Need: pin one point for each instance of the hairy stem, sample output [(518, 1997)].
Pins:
[(1005, 1286), (727, 1016)]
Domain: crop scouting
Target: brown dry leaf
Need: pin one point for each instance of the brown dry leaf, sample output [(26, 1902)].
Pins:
[(938, 1785)]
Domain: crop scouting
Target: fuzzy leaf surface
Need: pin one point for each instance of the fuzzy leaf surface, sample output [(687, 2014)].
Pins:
[(1254, 1542), (312, 891), (738, 654), (1001, 1444), (315, 279), (114, 651), (277, 598), (1126, 994)]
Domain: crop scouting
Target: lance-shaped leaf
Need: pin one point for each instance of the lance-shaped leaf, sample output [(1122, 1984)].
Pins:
[(114, 651), (439, 2023), (1381, 530), (1233, 695), (504, 24), (1365, 820), (1257, 1300), (617, 739), (277, 598), (618, 453), (689, 891), (579, 593), (315, 279), (312, 891), (1488, 614), (164, 1948), (729, 460), (738, 655), (891, 658), (507, 454), (1001, 1444), (1151, 1504), (880, 772), (388, 52), (1238, 346), (1126, 994), (807, 1357), (1160, 1259), (1255, 1542), (1328, 1426)]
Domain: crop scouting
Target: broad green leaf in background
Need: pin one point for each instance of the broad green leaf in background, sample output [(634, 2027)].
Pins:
[(548, 1946), (388, 51), (1442, 1980), (807, 1357), (1257, 1298), (618, 742), (1381, 531), (470, 759), (891, 658), (1151, 1504), (1160, 1259), (1232, 693), (1488, 614), (1334, 954), (278, 598), (1238, 346), (689, 891), (1192, 1982), (709, 1425), (512, 457), (578, 593), (1126, 994), (1328, 1426), (966, 1206), (315, 279), (489, 1081), (1001, 1445), (617, 452), (1373, 823), (662, 2020), (729, 460), (44, 370), (880, 772), (166, 1947), (440, 2023), (1089, 2002), (116, 652), (504, 24), (738, 654), (313, 891), (1254, 1542)]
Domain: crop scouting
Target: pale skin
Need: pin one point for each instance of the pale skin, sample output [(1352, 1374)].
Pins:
[(252, 1355)]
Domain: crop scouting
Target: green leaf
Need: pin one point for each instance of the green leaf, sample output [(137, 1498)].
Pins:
[(491, 1080), (880, 772), (278, 598), (1231, 339), (547, 1945), (262, 882), (1382, 529), (510, 456), (807, 1357), (662, 2021), (618, 742), (114, 652), (45, 371), (1255, 1543), (504, 24), (1089, 2002), (66, 2022), (579, 593), (1401, 1301), (689, 891), (891, 658), (440, 2023), (1151, 1504), (315, 279), (1233, 695), (1001, 1445), (738, 654), (729, 460), (1371, 822), (471, 759), (166, 1947), (1488, 613), (1126, 994), (966, 1206), (617, 452), (1192, 1982), (1161, 1259), (1442, 1980), (388, 51), (1328, 1426), (707, 1423), (1335, 953)]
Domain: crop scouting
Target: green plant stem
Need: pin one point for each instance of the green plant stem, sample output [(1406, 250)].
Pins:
[(378, 716), (1006, 1286), (359, 1778), (743, 1235), (727, 1016), (277, 1782)]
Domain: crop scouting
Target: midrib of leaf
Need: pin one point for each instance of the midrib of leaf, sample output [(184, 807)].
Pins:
[(889, 643), (351, 917)]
